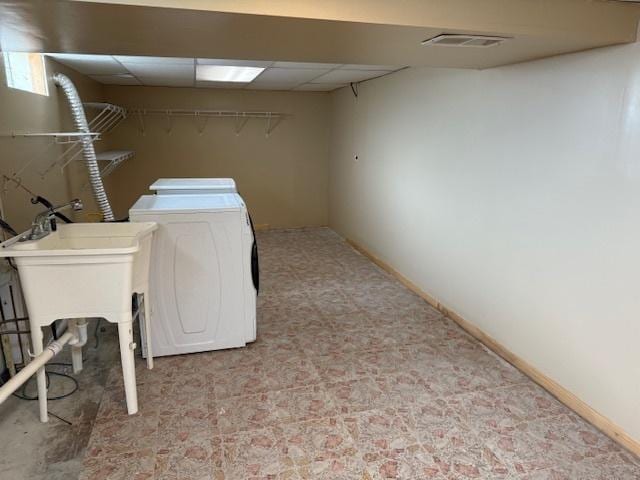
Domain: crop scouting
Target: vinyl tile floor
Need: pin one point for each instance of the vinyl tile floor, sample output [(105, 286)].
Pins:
[(352, 377)]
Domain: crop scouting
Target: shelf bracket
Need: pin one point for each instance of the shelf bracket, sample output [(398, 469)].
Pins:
[(141, 123), (272, 123), (169, 124), (200, 126), (241, 123)]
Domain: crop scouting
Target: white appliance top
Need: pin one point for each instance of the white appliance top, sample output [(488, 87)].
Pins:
[(151, 204), (182, 186)]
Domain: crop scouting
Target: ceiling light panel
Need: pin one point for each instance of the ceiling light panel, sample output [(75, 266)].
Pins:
[(347, 76), (289, 75), (89, 64), (224, 73), (233, 63)]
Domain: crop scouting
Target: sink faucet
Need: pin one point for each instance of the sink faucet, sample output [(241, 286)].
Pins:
[(45, 221)]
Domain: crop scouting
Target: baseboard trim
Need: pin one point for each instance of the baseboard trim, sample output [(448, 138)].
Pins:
[(561, 393)]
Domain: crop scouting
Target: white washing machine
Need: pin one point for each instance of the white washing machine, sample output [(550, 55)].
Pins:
[(203, 276)]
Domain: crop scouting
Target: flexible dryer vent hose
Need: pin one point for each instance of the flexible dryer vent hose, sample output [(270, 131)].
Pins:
[(88, 152)]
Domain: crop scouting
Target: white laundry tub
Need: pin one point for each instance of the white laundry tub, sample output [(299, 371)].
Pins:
[(85, 270)]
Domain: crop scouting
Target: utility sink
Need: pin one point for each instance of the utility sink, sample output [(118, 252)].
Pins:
[(86, 270), (93, 262), (74, 239)]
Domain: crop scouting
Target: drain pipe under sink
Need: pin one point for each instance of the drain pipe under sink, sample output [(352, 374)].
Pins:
[(78, 329), (32, 367)]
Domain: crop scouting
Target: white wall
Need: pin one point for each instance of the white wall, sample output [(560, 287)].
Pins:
[(512, 195)]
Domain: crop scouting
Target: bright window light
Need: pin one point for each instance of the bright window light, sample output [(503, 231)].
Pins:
[(224, 73), (26, 71)]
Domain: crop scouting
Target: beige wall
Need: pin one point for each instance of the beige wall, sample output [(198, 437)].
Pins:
[(512, 196), (27, 112), (283, 178)]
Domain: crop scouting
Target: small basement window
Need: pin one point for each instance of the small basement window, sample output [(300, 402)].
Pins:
[(26, 71)]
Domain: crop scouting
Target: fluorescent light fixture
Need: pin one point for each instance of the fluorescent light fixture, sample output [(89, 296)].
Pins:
[(225, 73)]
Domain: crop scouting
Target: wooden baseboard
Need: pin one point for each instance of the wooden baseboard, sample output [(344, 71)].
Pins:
[(565, 396)]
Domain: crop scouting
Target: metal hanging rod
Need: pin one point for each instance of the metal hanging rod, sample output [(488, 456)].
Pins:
[(60, 137), (201, 117), (180, 112)]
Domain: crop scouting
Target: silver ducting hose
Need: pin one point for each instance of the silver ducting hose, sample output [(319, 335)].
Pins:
[(88, 152)]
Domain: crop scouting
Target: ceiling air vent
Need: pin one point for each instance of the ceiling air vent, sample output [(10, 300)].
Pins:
[(456, 40)]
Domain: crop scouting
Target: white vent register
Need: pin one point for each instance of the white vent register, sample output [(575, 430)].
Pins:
[(462, 40)]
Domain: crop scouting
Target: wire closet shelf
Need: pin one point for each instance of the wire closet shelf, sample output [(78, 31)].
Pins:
[(104, 117), (201, 116)]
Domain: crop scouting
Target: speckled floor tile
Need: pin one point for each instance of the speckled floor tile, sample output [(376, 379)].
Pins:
[(119, 436), (576, 438), (249, 412), (379, 433), (255, 454), (340, 367), (357, 395), (344, 468), (130, 465), (191, 457), (352, 377), (303, 404), (315, 441), (411, 463)]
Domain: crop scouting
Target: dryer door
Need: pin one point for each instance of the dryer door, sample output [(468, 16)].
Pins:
[(255, 267)]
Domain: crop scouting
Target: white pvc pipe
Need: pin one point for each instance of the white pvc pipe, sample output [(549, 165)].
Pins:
[(37, 362), (79, 329)]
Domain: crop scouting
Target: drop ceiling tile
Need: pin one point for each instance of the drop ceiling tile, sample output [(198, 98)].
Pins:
[(236, 85), (166, 82), (287, 75), (314, 66), (159, 71), (233, 63), (89, 64), (318, 87), (271, 86), (388, 68), (126, 59), (348, 76), (122, 79)]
